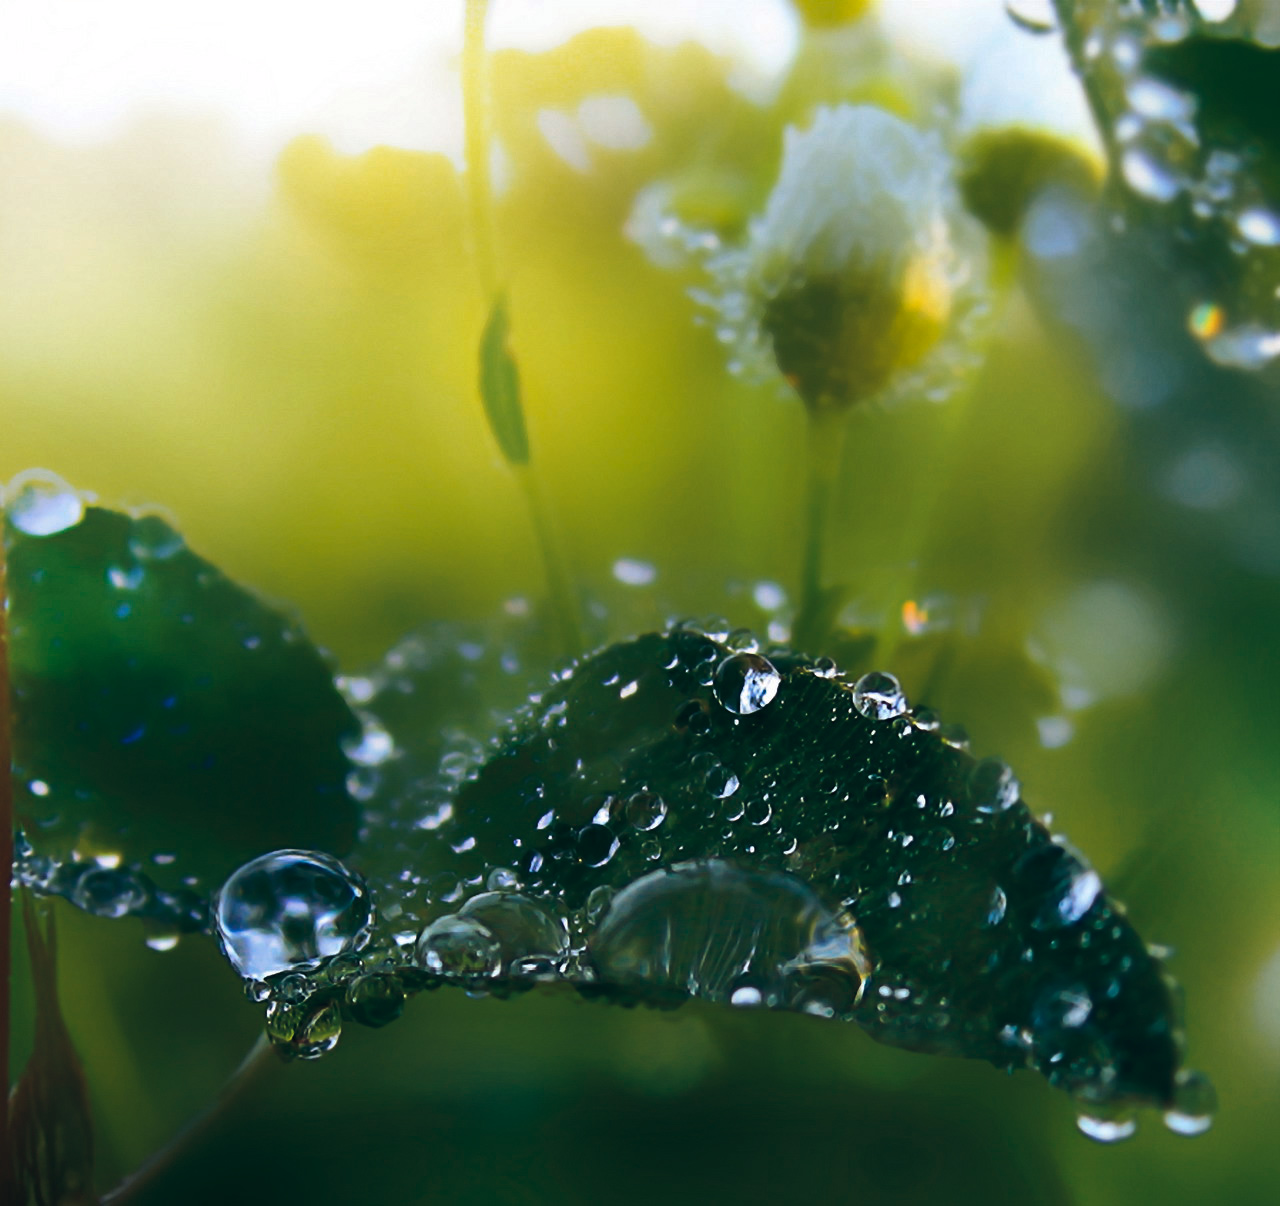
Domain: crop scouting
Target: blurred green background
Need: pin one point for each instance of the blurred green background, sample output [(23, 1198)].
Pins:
[(292, 376)]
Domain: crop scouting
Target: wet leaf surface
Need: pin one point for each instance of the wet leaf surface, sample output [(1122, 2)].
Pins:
[(163, 714)]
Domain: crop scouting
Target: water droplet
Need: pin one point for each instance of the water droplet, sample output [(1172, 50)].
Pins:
[(40, 503), (38, 787), (996, 909), (1065, 884), (1154, 99), (502, 879), (1034, 16), (878, 696), (598, 901), (375, 745), (596, 845), (1148, 177), (1062, 1009), (1107, 1130), (459, 946), (1249, 347), (154, 539), (746, 683), (746, 996), (107, 892), (645, 811), (375, 999), (1194, 1104), (305, 1033), (1259, 226), (531, 940), (290, 909), (993, 786), (634, 573), (713, 930), (1215, 11), (126, 579), (721, 782)]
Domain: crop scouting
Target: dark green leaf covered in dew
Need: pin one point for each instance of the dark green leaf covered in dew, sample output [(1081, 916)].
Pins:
[(756, 830), (167, 723)]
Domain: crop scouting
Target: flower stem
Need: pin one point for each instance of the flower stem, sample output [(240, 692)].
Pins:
[(826, 434), (505, 413)]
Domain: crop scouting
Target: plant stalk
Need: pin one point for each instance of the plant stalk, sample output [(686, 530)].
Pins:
[(477, 120), (825, 447)]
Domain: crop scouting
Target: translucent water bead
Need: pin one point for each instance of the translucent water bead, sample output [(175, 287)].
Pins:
[(290, 909)]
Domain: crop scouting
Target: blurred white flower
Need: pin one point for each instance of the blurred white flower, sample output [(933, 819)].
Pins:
[(863, 275)]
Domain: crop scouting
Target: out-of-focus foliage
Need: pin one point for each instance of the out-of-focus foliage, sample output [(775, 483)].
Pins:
[(160, 709), (296, 378)]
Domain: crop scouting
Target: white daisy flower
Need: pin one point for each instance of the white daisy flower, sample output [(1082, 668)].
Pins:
[(862, 277)]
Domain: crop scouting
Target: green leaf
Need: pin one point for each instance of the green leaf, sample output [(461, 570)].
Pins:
[(500, 386), (662, 770), (162, 713)]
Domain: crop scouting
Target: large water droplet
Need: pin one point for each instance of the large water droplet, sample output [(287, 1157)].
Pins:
[(531, 939), (709, 928), (878, 696), (746, 682), (40, 503), (290, 909)]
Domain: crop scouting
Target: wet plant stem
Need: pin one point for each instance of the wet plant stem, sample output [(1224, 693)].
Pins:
[(7, 1187), (825, 446), (260, 1055), (477, 119)]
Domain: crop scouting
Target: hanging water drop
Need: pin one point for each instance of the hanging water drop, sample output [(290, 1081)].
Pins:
[(1194, 1104), (1107, 1130)]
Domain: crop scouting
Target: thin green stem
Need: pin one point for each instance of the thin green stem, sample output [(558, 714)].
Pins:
[(825, 438), (259, 1056), (477, 118)]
